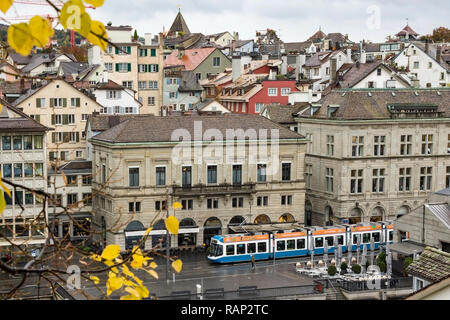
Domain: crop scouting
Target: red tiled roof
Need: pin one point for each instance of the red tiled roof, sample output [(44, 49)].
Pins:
[(191, 59), (408, 29)]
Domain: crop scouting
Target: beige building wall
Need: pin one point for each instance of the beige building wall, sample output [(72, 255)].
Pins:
[(392, 201), (114, 204), (74, 145)]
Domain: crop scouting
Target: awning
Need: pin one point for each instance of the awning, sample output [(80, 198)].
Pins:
[(406, 248), (159, 232)]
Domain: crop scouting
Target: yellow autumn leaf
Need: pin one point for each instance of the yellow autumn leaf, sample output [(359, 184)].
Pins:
[(172, 225), (146, 231), (153, 265), (153, 273), (143, 291), (97, 35), (177, 265), (95, 3), (64, 178), (96, 257), (177, 205), (42, 31), (113, 284), (133, 292), (111, 252), (2, 202), (74, 17), (5, 4), (95, 279), (129, 297), (20, 39), (137, 261)]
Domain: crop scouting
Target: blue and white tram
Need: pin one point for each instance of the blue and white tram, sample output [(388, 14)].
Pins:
[(299, 242)]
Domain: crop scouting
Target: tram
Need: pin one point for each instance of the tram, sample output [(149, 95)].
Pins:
[(298, 242)]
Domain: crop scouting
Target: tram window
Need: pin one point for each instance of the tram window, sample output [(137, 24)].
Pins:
[(291, 244), (251, 247), (356, 237), (281, 245), (262, 247), (366, 238), (329, 241), (230, 250), (241, 248), (391, 235), (340, 240), (376, 236), (318, 243), (219, 250), (300, 243)]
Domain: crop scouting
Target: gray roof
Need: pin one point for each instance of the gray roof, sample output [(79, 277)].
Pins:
[(69, 68), (178, 25), (441, 211), (296, 47), (371, 104), (40, 58), (444, 192), (160, 129), (103, 122), (433, 265), (283, 114)]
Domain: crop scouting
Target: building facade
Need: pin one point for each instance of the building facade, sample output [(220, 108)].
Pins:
[(142, 174), (374, 154)]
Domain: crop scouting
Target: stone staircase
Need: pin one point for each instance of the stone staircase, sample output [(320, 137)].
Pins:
[(334, 294)]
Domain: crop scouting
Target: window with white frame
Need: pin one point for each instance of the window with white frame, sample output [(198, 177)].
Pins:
[(427, 144), (330, 145), (259, 107), (426, 176), (379, 145), (357, 146), (329, 179), (378, 180), (109, 66), (308, 175), (153, 84), (356, 181), (404, 179), (406, 144), (273, 92), (113, 94), (151, 101), (285, 91)]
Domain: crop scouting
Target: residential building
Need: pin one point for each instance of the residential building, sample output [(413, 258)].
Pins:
[(374, 154), (115, 99), (23, 161), (431, 267), (134, 65), (70, 211), (181, 89), (45, 64), (143, 172), (424, 65), (59, 105), (407, 34), (203, 62)]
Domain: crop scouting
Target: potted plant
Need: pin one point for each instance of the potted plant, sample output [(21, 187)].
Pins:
[(356, 268), (332, 270), (344, 267), (406, 263)]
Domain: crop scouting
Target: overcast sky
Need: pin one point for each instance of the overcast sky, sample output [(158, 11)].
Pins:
[(294, 20)]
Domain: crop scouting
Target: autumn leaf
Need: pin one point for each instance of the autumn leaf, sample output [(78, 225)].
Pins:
[(153, 273), (129, 297), (95, 279), (172, 224), (111, 252), (2, 202), (41, 30), (20, 39), (177, 205), (95, 3), (96, 257), (113, 284), (177, 265), (148, 231), (97, 32), (74, 17), (5, 188), (133, 292), (5, 4)]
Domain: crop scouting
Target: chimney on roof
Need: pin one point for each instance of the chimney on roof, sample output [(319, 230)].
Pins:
[(236, 68), (148, 39), (333, 70), (427, 46), (284, 64), (438, 54), (181, 52)]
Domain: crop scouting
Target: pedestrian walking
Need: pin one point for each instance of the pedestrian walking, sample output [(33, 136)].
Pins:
[(253, 262)]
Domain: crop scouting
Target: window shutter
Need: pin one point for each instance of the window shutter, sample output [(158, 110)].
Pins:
[(53, 136), (53, 118), (117, 50), (117, 66), (157, 67), (78, 102), (129, 67), (65, 119), (145, 52), (38, 103), (65, 102), (129, 50), (78, 137), (153, 52), (146, 68), (51, 102), (65, 139)]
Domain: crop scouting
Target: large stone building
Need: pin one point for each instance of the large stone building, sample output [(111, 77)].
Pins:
[(141, 167), (23, 160), (374, 154)]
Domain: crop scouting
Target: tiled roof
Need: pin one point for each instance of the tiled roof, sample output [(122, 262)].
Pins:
[(178, 25), (283, 114), (371, 104), (103, 122), (296, 47), (19, 122), (441, 211), (319, 35), (160, 129), (407, 29), (192, 58), (433, 265)]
